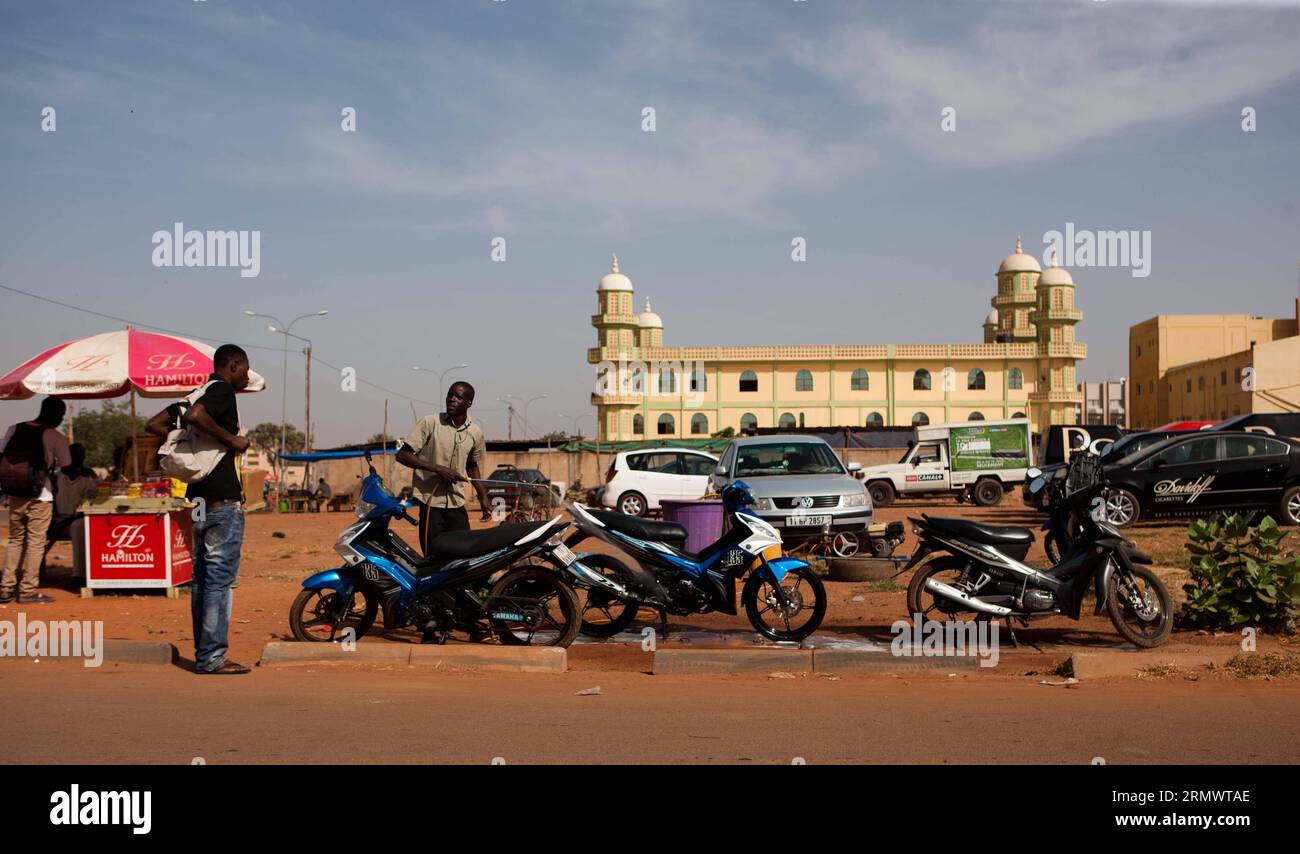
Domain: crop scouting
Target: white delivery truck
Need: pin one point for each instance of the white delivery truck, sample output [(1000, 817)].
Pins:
[(975, 460)]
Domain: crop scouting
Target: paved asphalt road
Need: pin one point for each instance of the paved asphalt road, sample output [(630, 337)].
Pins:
[(124, 714)]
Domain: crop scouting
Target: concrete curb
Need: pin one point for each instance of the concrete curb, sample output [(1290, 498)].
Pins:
[(138, 652), (1093, 665), (515, 659), (757, 660), (521, 659), (873, 661)]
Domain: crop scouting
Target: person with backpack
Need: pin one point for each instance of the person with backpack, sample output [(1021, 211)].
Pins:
[(33, 452), (219, 528)]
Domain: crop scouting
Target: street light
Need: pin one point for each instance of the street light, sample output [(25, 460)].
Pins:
[(441, 374), (577, 429), (283, 329), (527, 403)]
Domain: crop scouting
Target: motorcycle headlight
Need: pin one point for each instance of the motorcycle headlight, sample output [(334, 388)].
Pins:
[(364, 508), (857, 499), (764, 504)]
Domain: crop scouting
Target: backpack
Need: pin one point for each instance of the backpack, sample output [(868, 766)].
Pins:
[(23, 469), (190, 455)]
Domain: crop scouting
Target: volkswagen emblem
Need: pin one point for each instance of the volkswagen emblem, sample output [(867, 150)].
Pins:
[(805, 501)]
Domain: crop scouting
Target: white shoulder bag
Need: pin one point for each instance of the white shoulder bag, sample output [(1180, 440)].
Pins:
[(190, 455)]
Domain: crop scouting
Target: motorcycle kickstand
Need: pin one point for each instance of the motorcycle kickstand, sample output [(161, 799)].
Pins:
[(663, 623), (1012, 632)]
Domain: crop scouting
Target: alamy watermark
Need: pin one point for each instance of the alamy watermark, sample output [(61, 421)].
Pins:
[(924, 638), (37, 639), (673, 379), (194, 248), (1082, 248)]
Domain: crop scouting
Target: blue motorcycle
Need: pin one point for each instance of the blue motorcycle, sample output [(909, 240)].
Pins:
[(783, 598), (475, 581)]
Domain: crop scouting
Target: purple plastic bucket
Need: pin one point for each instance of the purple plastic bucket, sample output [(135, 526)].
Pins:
[(702, 520)]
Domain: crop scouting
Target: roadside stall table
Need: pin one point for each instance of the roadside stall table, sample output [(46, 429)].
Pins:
[(138, 543)]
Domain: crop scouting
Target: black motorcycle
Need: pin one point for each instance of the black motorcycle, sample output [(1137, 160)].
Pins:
[(980, 569), (1047, 490)]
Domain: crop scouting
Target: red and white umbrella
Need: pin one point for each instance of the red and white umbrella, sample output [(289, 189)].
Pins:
[(115, 363)]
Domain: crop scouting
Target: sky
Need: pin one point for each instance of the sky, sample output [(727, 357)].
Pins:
[(908, 144)]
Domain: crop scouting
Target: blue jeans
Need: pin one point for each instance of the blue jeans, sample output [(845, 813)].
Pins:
[(217, 542)]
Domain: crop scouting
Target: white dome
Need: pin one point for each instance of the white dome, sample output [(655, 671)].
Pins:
[(648, 319), (614, 280), (1018, 261), (1055, 275), (991, 319)]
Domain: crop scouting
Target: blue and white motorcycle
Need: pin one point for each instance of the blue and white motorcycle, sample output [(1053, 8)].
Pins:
[(783, 598), (512, 580)]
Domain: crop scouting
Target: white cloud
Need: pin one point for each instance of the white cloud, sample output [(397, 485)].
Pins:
[(1032, 82)]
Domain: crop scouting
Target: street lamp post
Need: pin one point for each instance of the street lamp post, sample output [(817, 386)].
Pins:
[(441, 390), (527, 403), (283, 328)]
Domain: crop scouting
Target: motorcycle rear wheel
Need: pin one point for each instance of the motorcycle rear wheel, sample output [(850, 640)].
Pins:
[(930, 605), (1146, 633), (559, 615), (604, 616)]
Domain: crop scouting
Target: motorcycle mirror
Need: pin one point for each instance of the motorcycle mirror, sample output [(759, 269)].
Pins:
[(1033, 472)]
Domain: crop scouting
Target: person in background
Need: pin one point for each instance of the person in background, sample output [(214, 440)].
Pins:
[(219, 532), (445, 450), (323, 493), (29, 518), (72, 486)]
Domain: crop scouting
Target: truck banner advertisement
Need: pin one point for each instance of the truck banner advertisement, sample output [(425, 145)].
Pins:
[(996, 447)]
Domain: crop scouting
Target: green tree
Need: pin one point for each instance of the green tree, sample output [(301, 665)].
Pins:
[(101, 430), (266, 437), (725, 433), (556, 436)]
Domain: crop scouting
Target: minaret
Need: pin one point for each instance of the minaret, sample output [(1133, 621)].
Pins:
[(651, 332), (1017, 279), (617, 328), (1056, 394)]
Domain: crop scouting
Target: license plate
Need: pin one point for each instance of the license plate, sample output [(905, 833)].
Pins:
[(792, 521), (564, 554)]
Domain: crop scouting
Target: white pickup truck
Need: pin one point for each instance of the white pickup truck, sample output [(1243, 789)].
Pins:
[(974, 460)]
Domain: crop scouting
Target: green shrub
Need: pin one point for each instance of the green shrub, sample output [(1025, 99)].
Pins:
[(1241, 576)]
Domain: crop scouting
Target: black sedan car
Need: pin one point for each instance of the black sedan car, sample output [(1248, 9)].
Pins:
[(1116, 450), (1202, 472)]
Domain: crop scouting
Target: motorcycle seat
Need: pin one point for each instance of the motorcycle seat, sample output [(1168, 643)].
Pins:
[(670, 533), (463, 544), (989, 535)]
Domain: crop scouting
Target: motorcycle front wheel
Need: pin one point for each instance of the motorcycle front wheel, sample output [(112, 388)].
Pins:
[(315, 615), (534, 606), (799, 617), (1139, 607)]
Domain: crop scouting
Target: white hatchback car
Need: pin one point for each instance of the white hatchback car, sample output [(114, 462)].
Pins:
[(638, 480)]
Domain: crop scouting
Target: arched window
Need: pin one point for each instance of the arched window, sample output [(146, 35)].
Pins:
[(699, 380), (975, 416), (921, 380), (667, 426), (860, 381), (1018, 415), (875, 419), (700, 424), (975, 380), (638, 425), (637, 383), (920, 419), (1015, 378), (749, 381), (786, 421), (803, 381), (748, 422), (667, 381)]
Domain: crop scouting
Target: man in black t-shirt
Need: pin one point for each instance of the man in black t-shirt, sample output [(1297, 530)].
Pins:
[(219, 516)]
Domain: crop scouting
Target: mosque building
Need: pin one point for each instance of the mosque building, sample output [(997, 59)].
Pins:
[(1025, 367)]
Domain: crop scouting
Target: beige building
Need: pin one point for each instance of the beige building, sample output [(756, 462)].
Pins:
[(1207, 367), (1026, 366)]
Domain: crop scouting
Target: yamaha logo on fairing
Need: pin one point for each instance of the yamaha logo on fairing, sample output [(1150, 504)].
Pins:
[(1172, 490)]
